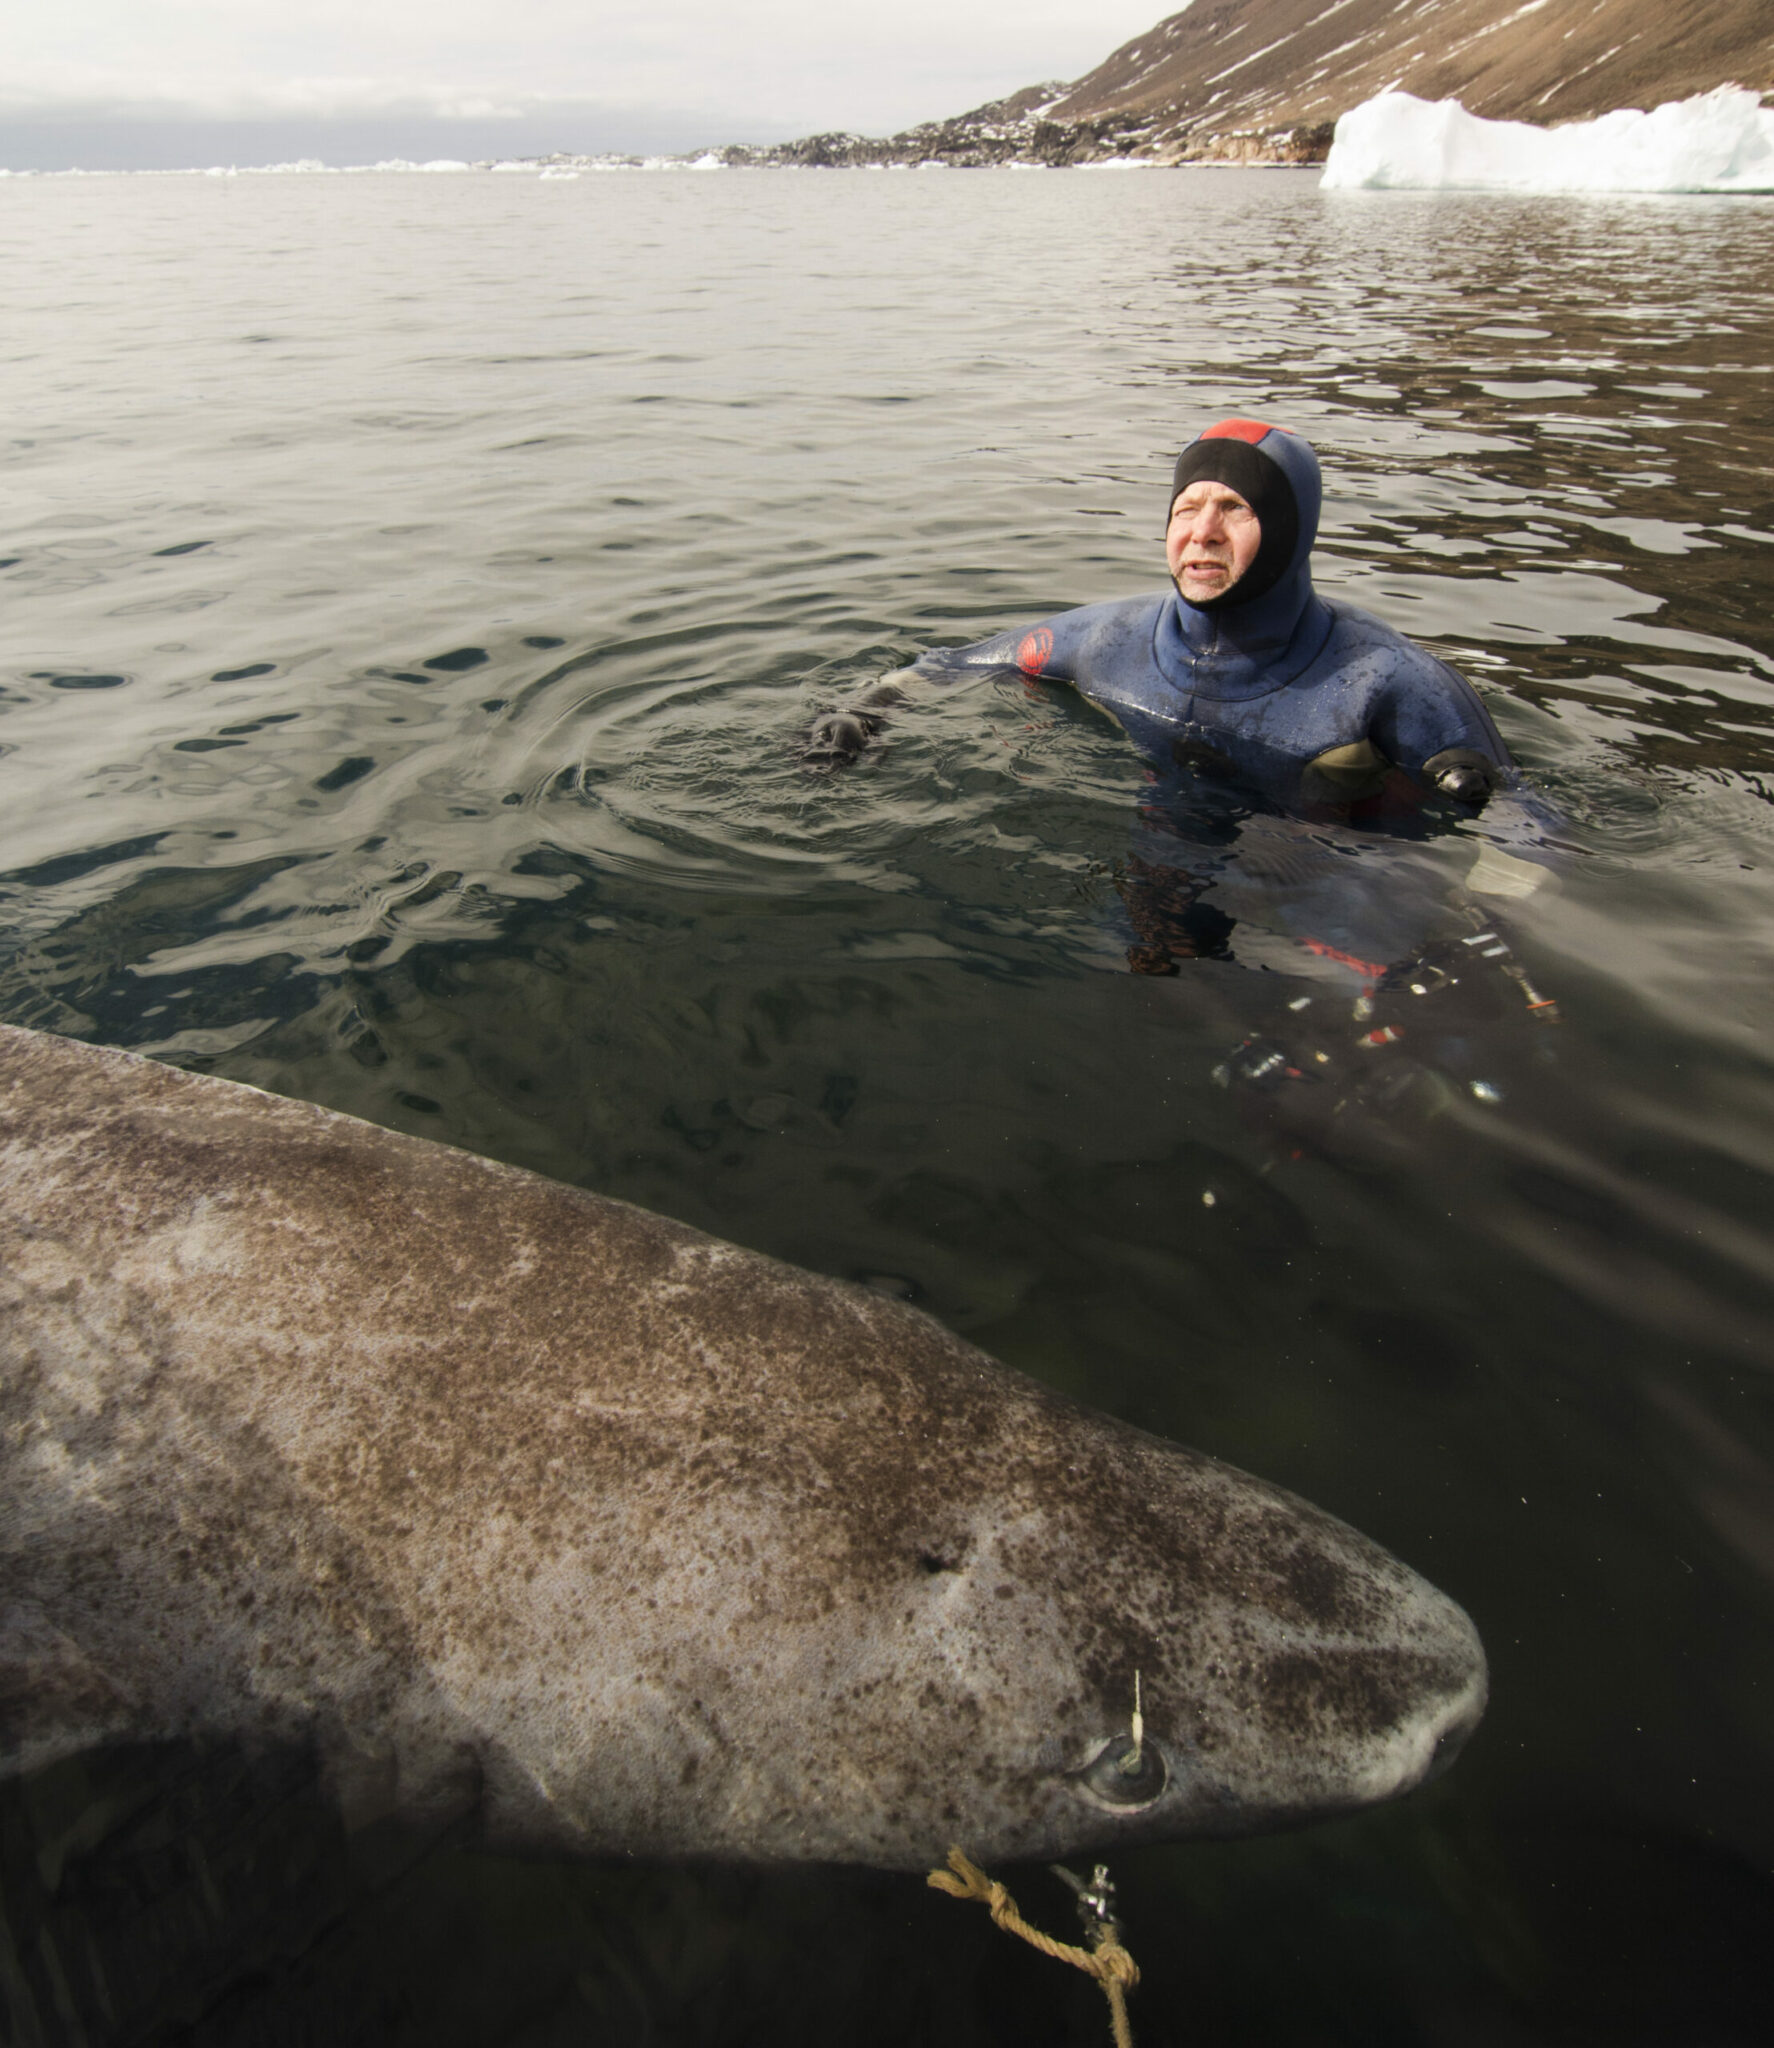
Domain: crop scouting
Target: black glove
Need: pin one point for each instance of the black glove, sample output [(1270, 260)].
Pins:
[(1464, 774), (836, 738)]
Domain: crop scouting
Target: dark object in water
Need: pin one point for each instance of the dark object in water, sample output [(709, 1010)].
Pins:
[(836, 738)]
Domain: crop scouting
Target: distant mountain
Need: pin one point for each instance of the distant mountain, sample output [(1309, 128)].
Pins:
[(1264, 80), (1256, 66)]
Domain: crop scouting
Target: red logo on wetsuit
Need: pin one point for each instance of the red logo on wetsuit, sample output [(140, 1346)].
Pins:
[(1035, 652)]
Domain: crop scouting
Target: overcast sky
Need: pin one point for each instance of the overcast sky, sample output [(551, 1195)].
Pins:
[(136, 78)]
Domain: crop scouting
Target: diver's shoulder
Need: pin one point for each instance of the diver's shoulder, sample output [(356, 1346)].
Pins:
[(1355, 622), (1357, 636), (1141, 609), (1110, 632), (1086, 634)]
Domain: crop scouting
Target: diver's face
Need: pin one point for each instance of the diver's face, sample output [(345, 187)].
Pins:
[(1212, 539)]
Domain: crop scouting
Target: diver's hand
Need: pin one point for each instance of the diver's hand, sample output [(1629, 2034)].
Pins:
[(1463, 774), (837, 738)]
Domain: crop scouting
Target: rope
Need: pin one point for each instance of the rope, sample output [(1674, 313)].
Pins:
[(1107, 1961)]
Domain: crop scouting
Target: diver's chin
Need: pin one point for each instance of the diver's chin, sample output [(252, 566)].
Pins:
[(1203, 592)]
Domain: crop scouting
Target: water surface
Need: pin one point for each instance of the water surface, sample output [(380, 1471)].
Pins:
[(415, 588)]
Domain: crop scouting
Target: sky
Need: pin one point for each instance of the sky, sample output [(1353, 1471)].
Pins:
[(115, 84)]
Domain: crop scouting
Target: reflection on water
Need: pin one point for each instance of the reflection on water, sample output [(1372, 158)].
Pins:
[(416, 591)]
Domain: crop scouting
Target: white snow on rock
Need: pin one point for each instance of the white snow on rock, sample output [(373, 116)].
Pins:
[(1720, 141)]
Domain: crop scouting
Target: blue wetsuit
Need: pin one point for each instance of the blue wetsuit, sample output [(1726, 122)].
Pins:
[(1328, 706), (1311, 700)]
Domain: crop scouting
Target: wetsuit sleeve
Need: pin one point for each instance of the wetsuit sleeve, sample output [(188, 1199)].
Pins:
[(1433, 724), (838, 737), (1044, 650), (1445, 737)]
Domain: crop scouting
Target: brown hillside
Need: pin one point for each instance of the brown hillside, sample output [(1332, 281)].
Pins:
[(1226, 67), (1263, 81)]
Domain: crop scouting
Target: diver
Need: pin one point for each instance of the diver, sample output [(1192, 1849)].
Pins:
[(1261, 706), (1242, 671)]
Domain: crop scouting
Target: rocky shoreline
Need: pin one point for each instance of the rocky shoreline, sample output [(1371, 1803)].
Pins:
[(1018, 131)]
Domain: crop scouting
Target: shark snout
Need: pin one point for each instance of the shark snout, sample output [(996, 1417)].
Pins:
[(1457, 1724), (1451, 1706)]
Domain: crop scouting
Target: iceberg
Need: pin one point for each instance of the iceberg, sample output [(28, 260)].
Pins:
[(1721, 141)]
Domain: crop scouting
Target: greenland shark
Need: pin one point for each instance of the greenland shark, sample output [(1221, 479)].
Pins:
[(506, 1498)]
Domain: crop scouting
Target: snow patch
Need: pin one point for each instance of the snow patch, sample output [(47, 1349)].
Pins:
[(1252, 58), (1721, 141)]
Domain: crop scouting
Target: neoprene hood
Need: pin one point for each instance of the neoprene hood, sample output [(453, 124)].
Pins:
[(1277, 475)]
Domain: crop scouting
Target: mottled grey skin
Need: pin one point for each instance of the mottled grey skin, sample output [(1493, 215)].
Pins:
[(499, 1492)]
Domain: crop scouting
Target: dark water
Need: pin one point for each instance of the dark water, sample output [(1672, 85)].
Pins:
[(414, 588)]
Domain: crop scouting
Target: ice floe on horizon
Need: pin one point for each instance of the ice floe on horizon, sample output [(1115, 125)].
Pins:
[(302, 167), (1720, 141), (312, 167)]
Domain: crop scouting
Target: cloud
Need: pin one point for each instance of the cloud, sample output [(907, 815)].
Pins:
[(65, 90), (804, 63)]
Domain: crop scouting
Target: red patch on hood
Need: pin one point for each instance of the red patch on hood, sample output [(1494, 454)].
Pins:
[(1252, 431)]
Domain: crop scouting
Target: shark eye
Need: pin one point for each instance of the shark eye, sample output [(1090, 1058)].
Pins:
[(1126, 1775)]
